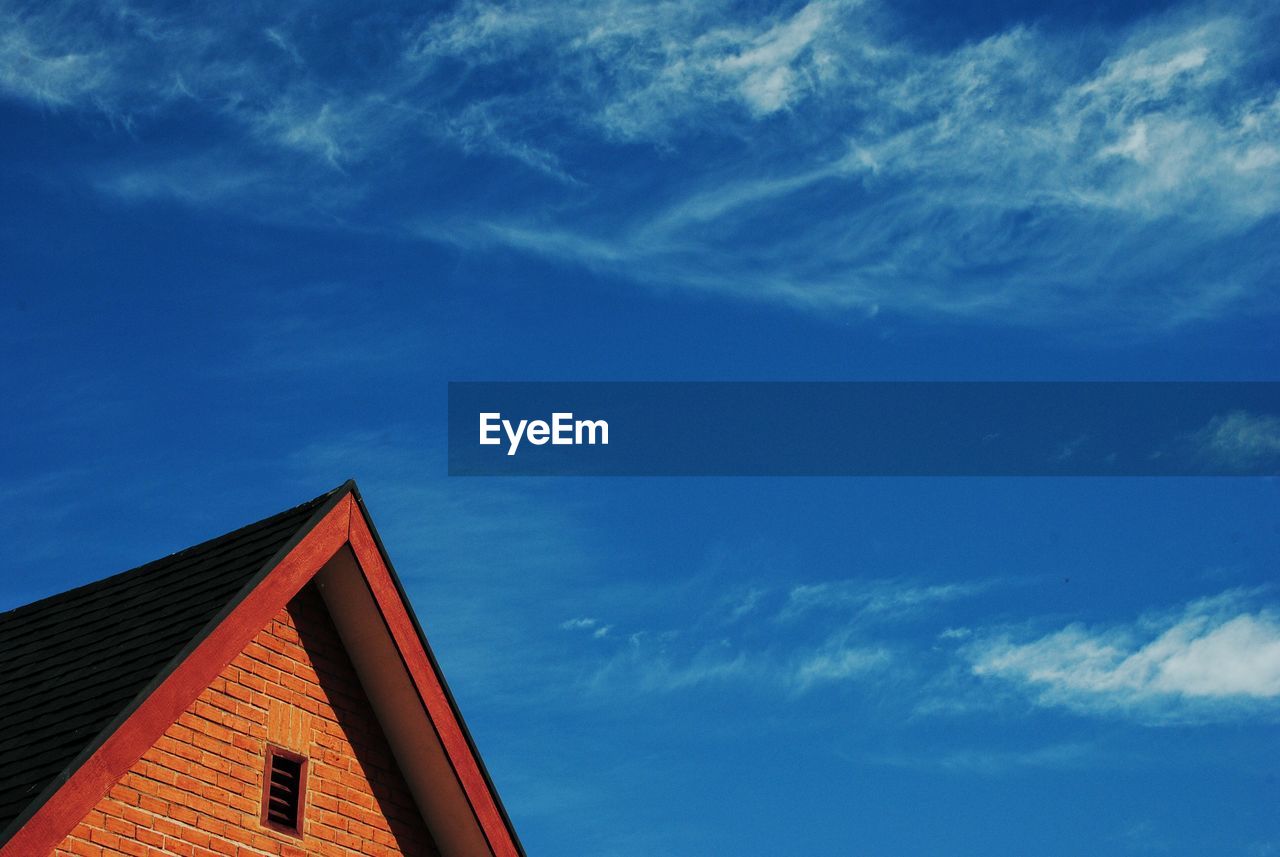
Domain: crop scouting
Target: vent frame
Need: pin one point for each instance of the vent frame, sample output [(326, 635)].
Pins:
[(274, 772)]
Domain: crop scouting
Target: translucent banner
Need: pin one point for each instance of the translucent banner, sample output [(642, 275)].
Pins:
[(864, 429)]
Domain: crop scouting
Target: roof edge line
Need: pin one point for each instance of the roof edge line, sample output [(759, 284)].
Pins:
[(354, 538)]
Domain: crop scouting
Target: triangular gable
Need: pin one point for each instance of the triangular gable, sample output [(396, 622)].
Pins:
[(339, 550), (291, 699)]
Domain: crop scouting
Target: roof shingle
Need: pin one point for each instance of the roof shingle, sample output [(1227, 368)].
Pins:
[(74, 663)]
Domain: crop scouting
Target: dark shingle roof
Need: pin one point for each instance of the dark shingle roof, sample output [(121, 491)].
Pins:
[(72, 664)]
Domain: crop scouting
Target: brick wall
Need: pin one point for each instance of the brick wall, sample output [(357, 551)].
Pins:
[(198, 790)]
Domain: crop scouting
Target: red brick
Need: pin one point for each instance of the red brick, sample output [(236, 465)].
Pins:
[(197, 792)]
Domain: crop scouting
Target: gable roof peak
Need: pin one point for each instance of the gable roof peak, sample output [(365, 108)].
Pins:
[(94, 674)]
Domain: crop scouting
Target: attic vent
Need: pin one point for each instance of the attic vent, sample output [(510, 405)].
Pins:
[(284, 791)]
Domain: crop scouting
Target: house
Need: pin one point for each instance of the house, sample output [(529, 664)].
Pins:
[(268, 692)]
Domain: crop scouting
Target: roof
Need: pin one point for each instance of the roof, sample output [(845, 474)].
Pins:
[(75, 662), (92, 677)]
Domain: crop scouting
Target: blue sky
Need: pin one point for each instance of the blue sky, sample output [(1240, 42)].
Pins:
[(245, 247)]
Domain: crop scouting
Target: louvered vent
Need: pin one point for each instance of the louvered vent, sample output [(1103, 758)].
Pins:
[(284, 787)]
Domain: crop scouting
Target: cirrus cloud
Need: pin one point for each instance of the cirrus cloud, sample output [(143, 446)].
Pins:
[(1213, 657), (808, 154)]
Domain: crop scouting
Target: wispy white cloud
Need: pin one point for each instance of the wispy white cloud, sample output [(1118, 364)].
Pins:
[(742, 604), (491, 126), (666, 663), (647, 665), (49, 77), (846, 632), (1211, 658), (1159, 129), (872, 598), (838, 662), (597, 630), (768, 66), (995, 761), (1214, 659), (808, 155), (1240, 440), (1017, 176), (637, 70), (191, 181)]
